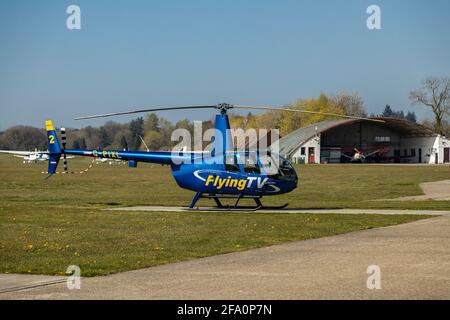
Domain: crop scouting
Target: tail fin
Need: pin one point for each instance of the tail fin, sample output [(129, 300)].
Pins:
[(53, 147)]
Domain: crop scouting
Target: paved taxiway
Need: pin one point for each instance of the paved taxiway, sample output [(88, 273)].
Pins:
[(414, 259), (287, 210)]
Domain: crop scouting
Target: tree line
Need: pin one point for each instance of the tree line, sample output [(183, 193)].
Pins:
[(156, 131), (389, 113)]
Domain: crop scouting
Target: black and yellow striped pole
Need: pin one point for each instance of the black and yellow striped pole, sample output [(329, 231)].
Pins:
[(63, 142)]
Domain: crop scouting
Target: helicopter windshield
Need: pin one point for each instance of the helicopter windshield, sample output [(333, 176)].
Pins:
[(281, 169)]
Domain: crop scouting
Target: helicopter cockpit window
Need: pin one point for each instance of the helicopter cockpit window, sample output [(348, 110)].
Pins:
[(286, 171), (250, 164), (269, 165), (231, 164), (278, 167)]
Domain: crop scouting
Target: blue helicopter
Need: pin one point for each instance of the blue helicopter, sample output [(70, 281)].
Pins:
[(223, 173)]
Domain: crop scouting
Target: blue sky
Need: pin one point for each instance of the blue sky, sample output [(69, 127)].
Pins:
[(132, 54)]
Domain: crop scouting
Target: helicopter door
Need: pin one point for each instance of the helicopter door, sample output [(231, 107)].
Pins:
[(250, 164), (268, 165), (231, 164), (252, 170)]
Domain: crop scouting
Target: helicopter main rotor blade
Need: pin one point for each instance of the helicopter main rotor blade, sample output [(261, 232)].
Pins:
[(140, 111), (306, 111)]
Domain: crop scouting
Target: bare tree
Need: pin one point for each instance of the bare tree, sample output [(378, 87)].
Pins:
[(351, 103), (435, 93)]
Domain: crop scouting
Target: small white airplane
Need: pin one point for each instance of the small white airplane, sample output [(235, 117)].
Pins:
[(360, 156), (29, 156)]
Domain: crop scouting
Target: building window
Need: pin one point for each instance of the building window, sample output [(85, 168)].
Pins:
[(413, 152), (382, 139), (302, 151), (405, 152)]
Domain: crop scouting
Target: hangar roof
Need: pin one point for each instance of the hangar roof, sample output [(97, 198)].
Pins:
[(291, 142)]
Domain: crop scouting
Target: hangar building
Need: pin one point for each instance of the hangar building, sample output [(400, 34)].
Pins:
[(391, 141)]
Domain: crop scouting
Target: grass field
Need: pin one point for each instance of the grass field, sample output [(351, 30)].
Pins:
[(46, 225)]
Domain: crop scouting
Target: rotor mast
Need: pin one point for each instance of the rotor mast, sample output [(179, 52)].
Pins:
[(223, 107)]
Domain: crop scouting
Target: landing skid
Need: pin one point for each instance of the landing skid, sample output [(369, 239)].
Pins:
[(221, 207), (275, 207), (225, 208)]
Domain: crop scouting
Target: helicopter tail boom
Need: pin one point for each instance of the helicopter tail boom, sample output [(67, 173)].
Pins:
[(133, 157)]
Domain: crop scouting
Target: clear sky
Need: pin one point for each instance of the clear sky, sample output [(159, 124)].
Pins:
[(131, 54)]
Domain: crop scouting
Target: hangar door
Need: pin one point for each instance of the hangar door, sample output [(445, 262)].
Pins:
[(366, 137), (446, 155), (311, 155)]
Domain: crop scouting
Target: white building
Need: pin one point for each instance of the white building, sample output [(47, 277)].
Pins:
[(391, 141)]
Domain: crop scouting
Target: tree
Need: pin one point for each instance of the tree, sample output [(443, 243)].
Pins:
[(83, 143), (76, 144), (351, 104), (165, 129), (435, 94), (108, 133), (151, 122), (294, 120), (411, 116), (137, 129), (105, 138), (155, 140), (387, 112), (123, 143), (390, 113), (23, 138), (92, 135), (79, 143), (185, 124)]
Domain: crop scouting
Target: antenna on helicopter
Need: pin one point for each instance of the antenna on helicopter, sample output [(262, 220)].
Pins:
[(146, 147)]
